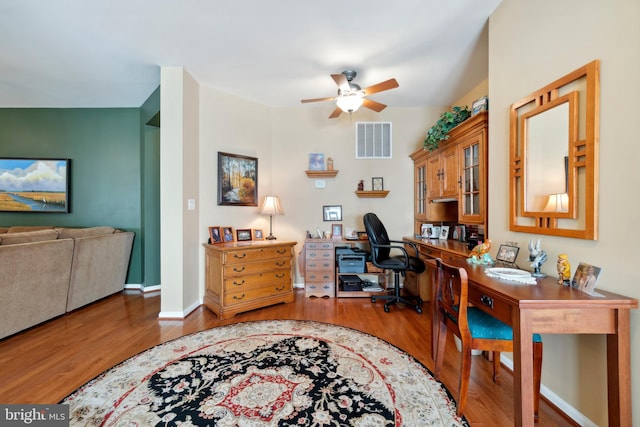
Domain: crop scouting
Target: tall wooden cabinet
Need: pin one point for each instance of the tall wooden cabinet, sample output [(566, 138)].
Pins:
[(443, 174), (450, 183), (247, 275)]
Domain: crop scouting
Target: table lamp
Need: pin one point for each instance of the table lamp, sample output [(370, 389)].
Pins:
[(271, 207)]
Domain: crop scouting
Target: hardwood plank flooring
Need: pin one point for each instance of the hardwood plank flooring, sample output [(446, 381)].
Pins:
[(47, 362)]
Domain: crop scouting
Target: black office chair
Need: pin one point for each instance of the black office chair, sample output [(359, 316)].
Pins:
[(381, 248)]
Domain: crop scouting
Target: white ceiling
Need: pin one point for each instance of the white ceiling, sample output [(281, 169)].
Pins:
[(108, 53)]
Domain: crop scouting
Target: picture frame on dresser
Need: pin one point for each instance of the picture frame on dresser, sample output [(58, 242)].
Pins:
[(336, 231), (215, 235), (257, 234), (34, 185), (243, 234), (227, 234)]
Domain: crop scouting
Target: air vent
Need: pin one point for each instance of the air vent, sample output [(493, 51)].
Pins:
[(373, 140)]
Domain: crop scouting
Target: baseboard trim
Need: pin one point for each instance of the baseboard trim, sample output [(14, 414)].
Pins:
[(562, 406), (141, 288)]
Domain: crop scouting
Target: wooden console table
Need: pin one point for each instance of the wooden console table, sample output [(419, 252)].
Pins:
[(548, 308), (244, 276)]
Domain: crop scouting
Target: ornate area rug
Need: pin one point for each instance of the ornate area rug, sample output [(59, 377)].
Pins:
[(267, 373)]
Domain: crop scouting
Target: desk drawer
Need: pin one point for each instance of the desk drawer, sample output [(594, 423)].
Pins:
[(325, 275), (488, 303), (250, 295), (318, 245), (319, 264), (257, 267), (252, 281), (255, 254), (428, 252), (319, 254)]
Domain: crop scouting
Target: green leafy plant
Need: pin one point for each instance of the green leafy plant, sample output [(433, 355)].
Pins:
[(447, 121)]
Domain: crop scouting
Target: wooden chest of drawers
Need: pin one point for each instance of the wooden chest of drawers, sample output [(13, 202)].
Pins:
[(320, 268), (248, 275)]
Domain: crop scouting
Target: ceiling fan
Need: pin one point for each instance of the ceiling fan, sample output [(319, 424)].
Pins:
[(350, 96)]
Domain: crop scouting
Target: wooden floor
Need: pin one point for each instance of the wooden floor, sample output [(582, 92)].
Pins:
[(49, 361)]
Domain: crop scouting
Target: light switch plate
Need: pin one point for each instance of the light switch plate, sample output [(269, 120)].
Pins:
[(321, 183), (191, 204)]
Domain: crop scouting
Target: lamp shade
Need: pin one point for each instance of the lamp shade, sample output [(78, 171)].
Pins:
[(557, 203), (271, 206), (349, 103)]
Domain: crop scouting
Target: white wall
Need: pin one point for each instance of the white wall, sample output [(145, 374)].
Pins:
[(300, 131), (530, 45), (178, 182)]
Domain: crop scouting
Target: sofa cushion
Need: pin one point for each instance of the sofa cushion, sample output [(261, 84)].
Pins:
[(73, 233), (25, 228), (28, 237)]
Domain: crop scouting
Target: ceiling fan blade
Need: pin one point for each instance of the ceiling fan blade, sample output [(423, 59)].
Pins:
[(304, 101), (386, 85), (335, 113), (341, 81), (373, 105)]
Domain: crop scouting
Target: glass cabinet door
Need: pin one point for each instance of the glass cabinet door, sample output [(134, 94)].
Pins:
[(421, 190), (471, 206)]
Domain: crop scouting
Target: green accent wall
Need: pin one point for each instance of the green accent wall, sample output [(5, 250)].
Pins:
[(106, 148)]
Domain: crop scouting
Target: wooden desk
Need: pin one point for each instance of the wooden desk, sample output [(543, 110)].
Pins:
[(548, 308)]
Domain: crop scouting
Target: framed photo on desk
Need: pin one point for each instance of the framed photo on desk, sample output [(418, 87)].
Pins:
[(336, 231)]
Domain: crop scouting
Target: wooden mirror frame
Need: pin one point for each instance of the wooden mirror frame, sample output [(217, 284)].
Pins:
[(581, 90)]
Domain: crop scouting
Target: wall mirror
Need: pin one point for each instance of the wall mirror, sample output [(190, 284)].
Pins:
[(554, 157)]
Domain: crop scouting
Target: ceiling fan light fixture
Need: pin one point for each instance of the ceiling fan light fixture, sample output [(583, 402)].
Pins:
[(349, 103)]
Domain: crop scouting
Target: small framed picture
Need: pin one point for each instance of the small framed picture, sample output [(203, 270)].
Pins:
[(336, 231), (479, 105), (444, 232), (427, 231), (376, 184), (585, 277), (243, 234), (257, 234), (227, 234), (215, 235), (316, 161), (507, 253), (332, 213)]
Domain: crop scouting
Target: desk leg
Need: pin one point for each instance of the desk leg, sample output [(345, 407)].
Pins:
[(523, 368), (619, 371), (435, 327)]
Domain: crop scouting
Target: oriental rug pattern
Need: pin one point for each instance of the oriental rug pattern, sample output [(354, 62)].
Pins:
[(267, 373)]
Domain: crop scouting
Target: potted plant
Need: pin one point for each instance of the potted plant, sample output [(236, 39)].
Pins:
[(447, 121)]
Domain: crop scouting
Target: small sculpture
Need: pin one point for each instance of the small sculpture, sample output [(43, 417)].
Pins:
[(537, 257), (564, 270), (329, 163), (361, 185), (480, 254)]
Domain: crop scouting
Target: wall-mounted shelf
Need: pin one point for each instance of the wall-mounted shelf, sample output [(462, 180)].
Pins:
[(380, 194), (322, 174)]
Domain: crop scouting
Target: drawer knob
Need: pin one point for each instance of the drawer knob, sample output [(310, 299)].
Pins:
[(238, 283), (280, 263), (281, 251), (240, 256), (280, 288), (238, 270), (280, 275), (488, 301), (238, 297)]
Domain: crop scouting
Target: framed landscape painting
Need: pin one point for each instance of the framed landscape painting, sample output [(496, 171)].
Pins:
[(34, 185), (237, 180)]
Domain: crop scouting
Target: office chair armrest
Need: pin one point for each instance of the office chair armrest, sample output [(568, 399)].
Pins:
[(403, 242), (391, 247)]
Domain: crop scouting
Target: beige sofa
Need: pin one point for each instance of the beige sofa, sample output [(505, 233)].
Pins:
[(47, 271)]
